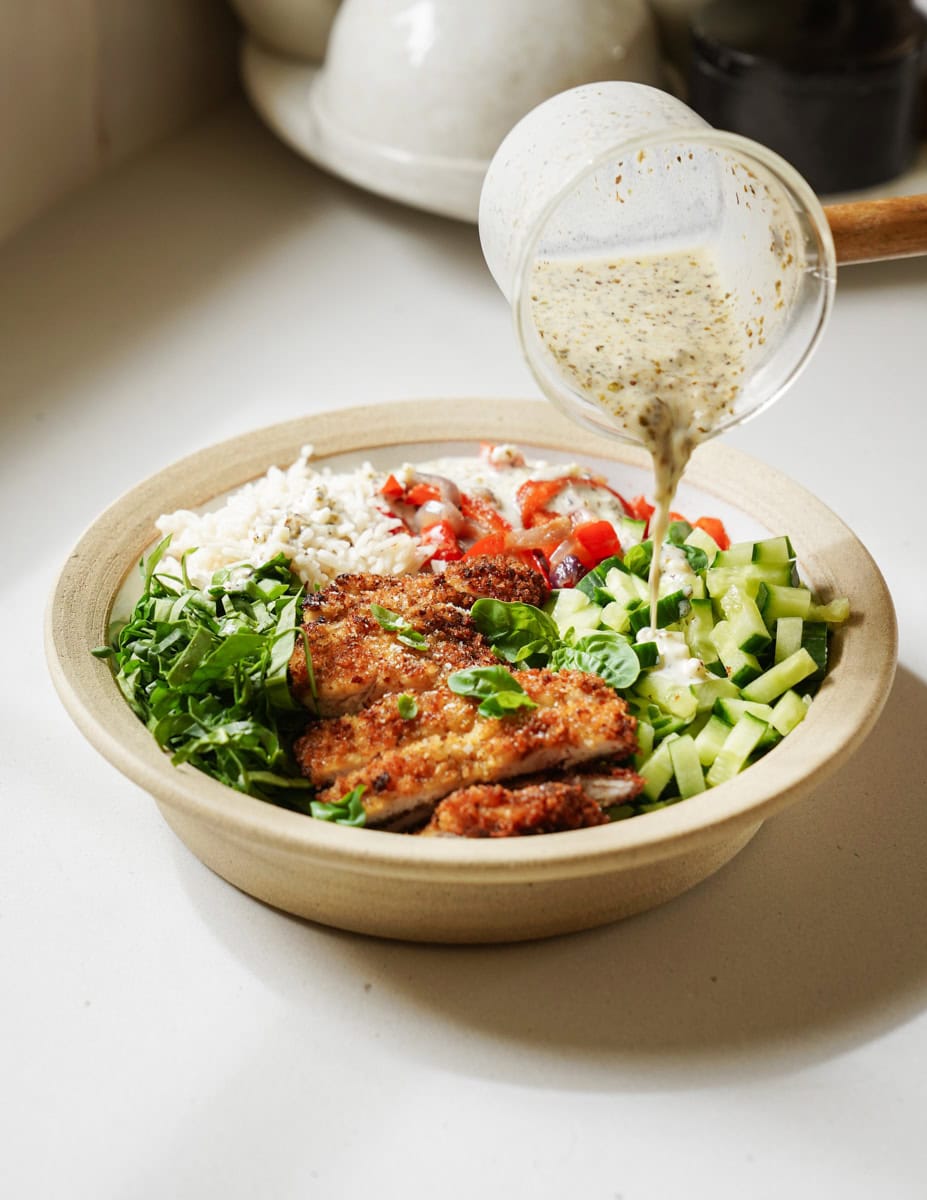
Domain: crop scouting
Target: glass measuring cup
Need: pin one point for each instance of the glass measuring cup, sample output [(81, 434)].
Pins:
[(618, 170)]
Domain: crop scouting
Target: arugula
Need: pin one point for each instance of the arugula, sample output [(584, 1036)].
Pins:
[(518, 633), (206, 670), (500, 691), (349, 810), (396, 623)]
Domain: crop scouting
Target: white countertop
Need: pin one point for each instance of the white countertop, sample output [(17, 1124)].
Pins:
[(165, 1035)]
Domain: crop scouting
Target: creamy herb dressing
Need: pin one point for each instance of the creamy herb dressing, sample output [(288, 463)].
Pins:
[(498, 477), (653, 341)]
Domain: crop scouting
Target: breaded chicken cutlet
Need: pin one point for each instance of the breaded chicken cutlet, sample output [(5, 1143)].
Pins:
[(447, 752), (355, 660), (407, 764)]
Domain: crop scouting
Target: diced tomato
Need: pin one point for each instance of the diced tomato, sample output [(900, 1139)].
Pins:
[(421, 493), (482, 513), (598, 539), (493, 543), (442, 542), (392, 489), (675, 516), (715, 529), (640, 509)]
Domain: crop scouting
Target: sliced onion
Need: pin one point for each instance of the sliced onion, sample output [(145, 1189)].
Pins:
[(433, 511), (447, 489), (538, 535)]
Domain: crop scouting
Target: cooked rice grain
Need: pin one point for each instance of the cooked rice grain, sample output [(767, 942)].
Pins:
[(325, 522)]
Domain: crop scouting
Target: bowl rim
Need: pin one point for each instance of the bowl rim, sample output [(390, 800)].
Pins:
[(831, 557)]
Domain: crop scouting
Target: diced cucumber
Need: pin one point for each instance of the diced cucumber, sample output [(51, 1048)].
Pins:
[(711, 738), (749, 577), (670, 611), (814, 640), (686, 766), (677, 698), (733, 708), (625, 587), (789, 710), (740, 664), (630, 532), (833, 613), (780, 677), (773, 550), (737, 555), (616, 616), (709, 691), (644, 741), (748, 629), (738, 746), (788, 637), (775, 602), (657, 771), (698, 627), (572, 609), (704, 541)]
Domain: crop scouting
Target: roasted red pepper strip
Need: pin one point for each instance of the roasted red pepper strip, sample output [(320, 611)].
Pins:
[(715, 529), (598, 539), (441, 537), (493, 543), (640, 509), (482, 513), (392, 489), (534, 494), (421, 493)]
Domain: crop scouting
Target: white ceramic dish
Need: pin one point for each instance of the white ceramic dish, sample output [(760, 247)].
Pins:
[(285, 93), (460, 890)]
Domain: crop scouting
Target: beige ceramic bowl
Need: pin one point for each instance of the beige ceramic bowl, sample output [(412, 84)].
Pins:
[(471, 891)]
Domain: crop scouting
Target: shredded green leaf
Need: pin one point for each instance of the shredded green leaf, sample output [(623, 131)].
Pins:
[(206, 670)]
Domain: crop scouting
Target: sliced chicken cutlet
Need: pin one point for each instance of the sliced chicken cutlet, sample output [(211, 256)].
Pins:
[(493, 810), (355, 660), (405, 764), (561, 800)]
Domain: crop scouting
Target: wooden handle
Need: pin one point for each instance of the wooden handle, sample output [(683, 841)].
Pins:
[(871, 230)]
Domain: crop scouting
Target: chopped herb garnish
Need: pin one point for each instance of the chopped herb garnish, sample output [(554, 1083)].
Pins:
[(408, 706), (396, 623)]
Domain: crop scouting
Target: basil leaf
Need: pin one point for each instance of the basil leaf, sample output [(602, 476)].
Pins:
[(696, 558), (408, 706), (518, 633), (504, 703), (638, 559), (396, 623), (499, 690), (603, 653), (677, 532)]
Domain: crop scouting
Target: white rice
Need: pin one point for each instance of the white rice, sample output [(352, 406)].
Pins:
[(326, 523)]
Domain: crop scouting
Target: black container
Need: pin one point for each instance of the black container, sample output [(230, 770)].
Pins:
[(834, 86)]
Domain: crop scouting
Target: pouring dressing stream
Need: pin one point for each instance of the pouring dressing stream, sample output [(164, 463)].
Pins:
[(667, 280)]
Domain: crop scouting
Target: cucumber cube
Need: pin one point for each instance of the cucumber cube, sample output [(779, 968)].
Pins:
[(738, 746), (686, 766)]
